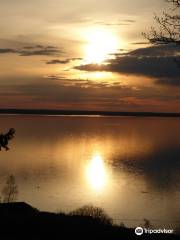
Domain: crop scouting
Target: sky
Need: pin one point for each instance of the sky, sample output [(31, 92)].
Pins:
[(85, 55)]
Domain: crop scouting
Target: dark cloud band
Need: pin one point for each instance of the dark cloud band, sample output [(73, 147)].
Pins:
[(155, 62)]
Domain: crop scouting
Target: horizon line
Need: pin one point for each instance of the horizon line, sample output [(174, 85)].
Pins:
[(71, 112)]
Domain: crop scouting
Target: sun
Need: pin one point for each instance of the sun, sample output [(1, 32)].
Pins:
[(100, 43)]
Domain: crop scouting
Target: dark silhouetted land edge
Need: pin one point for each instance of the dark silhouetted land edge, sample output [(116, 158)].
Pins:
[(21, 221), (88, 113)]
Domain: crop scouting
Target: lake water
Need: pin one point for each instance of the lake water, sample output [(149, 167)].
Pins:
[(129, 166)]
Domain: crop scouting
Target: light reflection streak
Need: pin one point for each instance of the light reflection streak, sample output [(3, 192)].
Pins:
[(96, 173)]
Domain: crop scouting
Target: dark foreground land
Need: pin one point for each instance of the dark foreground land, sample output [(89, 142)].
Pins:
[(21, 221)]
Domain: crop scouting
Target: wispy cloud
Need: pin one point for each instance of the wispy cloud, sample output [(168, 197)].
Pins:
[(40, 50), (141, 43), (57, 61), (33, 50), (57, 91), (63, 61), (7, 50), (116, 23)]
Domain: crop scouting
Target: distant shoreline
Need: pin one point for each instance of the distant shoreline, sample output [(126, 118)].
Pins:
[(85, 113)]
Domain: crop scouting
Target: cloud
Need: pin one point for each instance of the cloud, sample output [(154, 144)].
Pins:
[(116, 23), (76, 59), (157, 62), (34, 50), (57, 61), (7, 50), (39, 46), (141, 43), (129, 20), (155, 67), (82, 83), (56, 91), (163, 50), (64, 61), (39, 50), (69, 94)]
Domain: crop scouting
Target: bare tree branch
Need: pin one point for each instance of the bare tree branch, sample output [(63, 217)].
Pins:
[(175, 2), (168, 27)]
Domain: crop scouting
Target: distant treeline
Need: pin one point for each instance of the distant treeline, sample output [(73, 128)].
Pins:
[(86, 112)]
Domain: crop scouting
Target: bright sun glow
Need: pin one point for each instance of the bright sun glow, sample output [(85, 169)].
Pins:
[(96, 172), (101, 43)]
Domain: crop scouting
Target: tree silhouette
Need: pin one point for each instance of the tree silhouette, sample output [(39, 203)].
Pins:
[(94, 212), (168, 30), (10, 190)]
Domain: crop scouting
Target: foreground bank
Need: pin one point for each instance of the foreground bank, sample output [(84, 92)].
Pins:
[(21, 221)]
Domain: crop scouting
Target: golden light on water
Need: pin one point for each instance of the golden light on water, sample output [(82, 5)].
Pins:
[(96, 172), (100, 43)]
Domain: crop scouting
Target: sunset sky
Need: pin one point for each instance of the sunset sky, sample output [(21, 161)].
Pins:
[(87, 55)]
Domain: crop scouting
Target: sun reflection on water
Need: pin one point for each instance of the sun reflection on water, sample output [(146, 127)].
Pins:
[(96, 173)]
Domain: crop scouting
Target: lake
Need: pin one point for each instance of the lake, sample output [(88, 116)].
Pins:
[(129, 166)]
